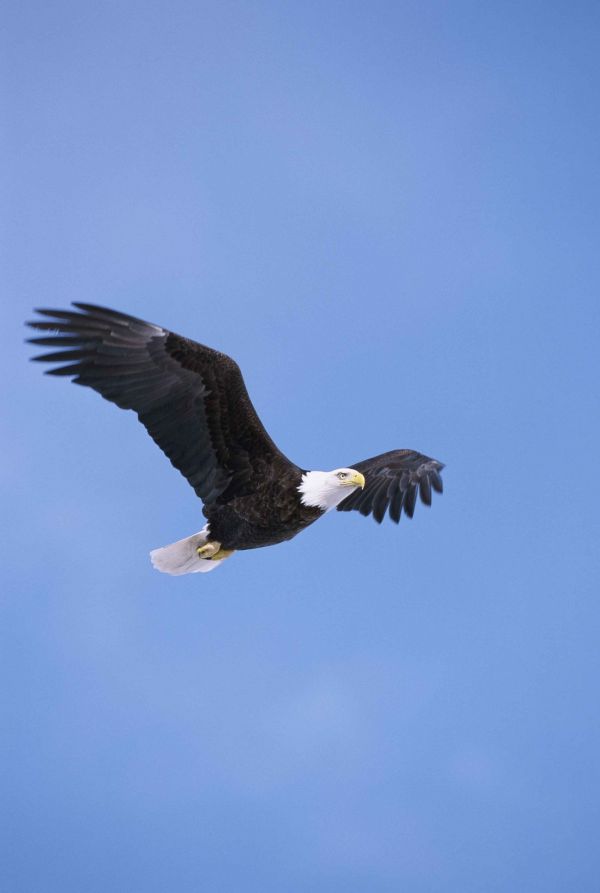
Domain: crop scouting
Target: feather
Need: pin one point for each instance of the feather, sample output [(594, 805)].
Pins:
[(191, 399), (393, 481)]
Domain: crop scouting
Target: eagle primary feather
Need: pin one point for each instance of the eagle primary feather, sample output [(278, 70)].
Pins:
[(193, 402)]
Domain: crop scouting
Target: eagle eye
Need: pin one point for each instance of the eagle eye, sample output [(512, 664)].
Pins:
[(341, 475)]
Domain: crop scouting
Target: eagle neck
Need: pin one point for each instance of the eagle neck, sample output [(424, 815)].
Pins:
[(319, 490)]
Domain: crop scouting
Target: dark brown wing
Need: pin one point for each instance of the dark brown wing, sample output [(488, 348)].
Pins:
[(191, 399), (392, 481)]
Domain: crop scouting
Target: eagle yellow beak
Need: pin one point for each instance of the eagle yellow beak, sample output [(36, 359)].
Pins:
[(358, 480)]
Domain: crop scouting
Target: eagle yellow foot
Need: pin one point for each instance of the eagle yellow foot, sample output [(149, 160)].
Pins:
[(213, 552)]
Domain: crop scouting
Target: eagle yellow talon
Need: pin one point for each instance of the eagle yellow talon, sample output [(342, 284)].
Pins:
[(213, 552), (208, 550)]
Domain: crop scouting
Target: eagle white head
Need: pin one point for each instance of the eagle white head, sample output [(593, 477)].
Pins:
[(326, 489)]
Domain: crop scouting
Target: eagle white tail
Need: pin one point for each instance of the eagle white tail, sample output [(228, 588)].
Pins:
[(182, 558)]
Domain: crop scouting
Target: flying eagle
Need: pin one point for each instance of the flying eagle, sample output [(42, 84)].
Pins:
[(193, 402)]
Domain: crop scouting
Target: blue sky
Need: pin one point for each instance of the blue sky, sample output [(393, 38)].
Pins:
[(388, 214)]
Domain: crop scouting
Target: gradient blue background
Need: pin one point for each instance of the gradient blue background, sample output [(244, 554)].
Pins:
[(388, 214)]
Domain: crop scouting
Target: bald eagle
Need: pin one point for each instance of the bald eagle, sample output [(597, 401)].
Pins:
[(193, 402)]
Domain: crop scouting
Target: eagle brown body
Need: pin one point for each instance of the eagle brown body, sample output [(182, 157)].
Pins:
[(242, 525)]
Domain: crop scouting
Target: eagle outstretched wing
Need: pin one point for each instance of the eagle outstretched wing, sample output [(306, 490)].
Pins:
[(392, 481), (191, 399)]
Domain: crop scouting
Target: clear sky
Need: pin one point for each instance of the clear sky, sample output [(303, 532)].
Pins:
[(388, 213)]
